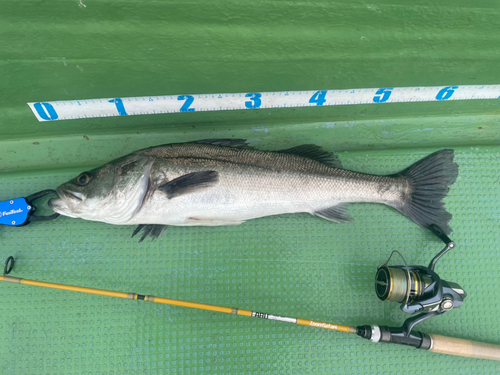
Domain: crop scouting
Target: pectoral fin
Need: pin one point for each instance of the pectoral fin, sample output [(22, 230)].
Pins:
[(189, 183)]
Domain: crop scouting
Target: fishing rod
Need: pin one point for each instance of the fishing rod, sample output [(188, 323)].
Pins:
[(417, 288)]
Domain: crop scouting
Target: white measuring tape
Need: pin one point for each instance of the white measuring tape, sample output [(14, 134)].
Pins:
[(149, 105)]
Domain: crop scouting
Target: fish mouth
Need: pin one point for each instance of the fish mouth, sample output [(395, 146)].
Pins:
[(67, 202)]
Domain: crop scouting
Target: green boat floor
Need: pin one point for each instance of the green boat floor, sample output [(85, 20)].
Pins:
[(294, 265)]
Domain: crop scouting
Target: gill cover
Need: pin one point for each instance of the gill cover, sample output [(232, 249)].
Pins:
[(112, 193)]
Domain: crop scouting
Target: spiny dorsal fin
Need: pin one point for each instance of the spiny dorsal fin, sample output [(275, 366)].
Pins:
[(226, 142), (338, 213), (315, 152), (152, 230), (189, 183)]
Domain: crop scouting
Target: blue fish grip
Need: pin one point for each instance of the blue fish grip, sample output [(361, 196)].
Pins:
[(15, 212), (19, 211)]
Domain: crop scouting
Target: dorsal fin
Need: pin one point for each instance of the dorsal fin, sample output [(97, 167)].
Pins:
[(225, 142), (315, 152)]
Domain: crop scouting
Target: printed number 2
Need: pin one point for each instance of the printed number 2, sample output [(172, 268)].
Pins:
[(446, 93), (255, 100), (319, 97), (189, 99), (385, 95), (46, 111), (119, 106)]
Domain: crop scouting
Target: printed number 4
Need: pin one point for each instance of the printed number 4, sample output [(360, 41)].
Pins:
[(319, 98), (189, 99), (383, 95)]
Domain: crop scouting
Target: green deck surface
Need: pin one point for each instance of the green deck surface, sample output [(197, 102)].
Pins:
[(294, 265)]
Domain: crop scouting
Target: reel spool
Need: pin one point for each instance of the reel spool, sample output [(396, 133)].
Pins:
[(399, 285)]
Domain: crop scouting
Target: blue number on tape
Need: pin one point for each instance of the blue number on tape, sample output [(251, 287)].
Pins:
[(446, 93), (255, 100), (119, 106), (384, 95), (319, 97), (46, 111), (189, 99)]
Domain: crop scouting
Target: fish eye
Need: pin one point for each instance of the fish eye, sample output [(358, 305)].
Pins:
[(83, 179)]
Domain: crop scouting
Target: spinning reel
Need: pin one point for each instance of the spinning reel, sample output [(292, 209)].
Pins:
[(418, 289)]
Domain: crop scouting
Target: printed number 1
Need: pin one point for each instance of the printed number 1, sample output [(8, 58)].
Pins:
[(119, 106), (319, 98), (46, 111), (385, 95), (255, 100), (189, 99)]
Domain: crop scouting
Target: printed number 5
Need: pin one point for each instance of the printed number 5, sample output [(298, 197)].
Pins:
[(189, 99), (446, 93), (255, 100), (385, 95)]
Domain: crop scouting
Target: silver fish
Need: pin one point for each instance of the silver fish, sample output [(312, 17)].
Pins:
[(226, 182)]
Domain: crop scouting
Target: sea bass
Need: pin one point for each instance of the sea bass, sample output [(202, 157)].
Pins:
[(226, 182)]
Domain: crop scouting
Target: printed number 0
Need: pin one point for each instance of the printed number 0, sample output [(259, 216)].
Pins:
[(189, 99), (46, 111), (386, 94), (319, 98), (255, 100), (446, 93)]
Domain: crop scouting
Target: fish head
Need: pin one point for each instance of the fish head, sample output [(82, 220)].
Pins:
[(112, 193)]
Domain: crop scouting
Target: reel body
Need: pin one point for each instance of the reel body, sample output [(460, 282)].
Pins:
[(418, 289)]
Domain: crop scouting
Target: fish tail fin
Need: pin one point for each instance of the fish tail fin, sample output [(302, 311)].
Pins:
[(429, 180)]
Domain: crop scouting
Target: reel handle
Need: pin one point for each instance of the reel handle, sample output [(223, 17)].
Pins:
[(464, 348)]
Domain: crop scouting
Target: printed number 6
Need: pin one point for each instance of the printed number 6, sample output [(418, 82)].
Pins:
[(189, 99), (255, 100), (386, 94), (446, 93)]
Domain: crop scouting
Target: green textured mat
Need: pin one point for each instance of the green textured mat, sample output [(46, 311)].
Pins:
[(295, 265)]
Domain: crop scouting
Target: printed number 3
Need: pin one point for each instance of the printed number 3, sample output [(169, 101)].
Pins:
[(384, 95), (189, 99), (255, 100)]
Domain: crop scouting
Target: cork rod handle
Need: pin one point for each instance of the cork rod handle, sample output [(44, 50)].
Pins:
[(464, 348)]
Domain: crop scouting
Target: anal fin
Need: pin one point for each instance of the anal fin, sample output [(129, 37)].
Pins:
[(338, 213)]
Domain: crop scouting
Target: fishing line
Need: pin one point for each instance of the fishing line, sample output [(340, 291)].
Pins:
[(148, 105)]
